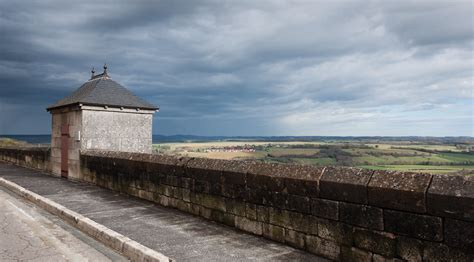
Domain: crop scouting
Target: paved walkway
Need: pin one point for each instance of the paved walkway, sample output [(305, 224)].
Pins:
[(28, 233), (173, 233)]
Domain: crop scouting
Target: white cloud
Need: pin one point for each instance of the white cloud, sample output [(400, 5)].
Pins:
[(299, 67)]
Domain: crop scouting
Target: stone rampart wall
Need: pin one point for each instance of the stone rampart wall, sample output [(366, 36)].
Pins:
[(30, 157), (344, 214)]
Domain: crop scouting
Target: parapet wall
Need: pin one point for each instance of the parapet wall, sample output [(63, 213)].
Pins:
[(30, 157), (343, 214)]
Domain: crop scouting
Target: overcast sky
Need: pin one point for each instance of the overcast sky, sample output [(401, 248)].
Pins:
[(384, 68)]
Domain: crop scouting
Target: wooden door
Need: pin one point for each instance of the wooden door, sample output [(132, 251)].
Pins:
[(64, 150)]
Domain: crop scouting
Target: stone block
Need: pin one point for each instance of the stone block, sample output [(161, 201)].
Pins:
[(173, 202), (441, 252), (213, 202), (160, 189), (177, 192), (251, 211), (299, 222), (298, 203), (305, 180), (167, 190), (280, 217), (452, 196), (195, 198), (335, 231), (163, 165), (186, 182), (248, 225), (184, 206), (273, 232), (234, 172), (218, 216), (459, 234), (264, 182), (376, 242), (258, 196), (380, 258), (156, 197), (205, 212), (147, 195), (170, 180), (235, 207), (263, 214), (309, 188), (235, 191), (313, 225), (409, 249), (345, 184), (204, 169), (228, 219), (325, 208), (355, 255), (361, 215), (164, 200), (323, 247), (201, 186), (288, 219), (277, 199), (413, 225), (397, 190), (295, 239), (186, 193), (195, 209)]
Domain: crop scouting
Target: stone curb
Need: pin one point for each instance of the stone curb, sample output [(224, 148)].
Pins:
[(126, 246)]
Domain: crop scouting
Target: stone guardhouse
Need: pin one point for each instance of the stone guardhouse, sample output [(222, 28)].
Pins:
[(100, 115)]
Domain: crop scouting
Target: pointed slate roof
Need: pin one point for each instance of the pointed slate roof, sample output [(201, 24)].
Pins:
[(100, 90)]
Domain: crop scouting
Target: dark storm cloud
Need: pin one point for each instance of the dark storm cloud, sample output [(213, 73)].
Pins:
[(248, 67)]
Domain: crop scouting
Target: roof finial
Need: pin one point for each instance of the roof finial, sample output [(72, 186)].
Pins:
[(105, 68), (92, 72)]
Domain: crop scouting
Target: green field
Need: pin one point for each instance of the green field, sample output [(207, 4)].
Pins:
[(424, 168), (396, 155)]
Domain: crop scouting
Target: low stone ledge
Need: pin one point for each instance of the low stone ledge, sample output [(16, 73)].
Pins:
[(452, 196), (31, 157), (130, 248), (398, 190)]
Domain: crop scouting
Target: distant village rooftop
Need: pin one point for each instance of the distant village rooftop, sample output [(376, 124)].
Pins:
[(101, 90)]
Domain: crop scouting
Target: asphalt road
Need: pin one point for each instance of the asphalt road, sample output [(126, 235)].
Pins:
[(28, 233)]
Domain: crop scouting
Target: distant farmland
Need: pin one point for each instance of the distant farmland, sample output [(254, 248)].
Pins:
[(447, 157)]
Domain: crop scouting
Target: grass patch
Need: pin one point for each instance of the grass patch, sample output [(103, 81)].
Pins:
[(326, 161), (458, 157), (6, 142)]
